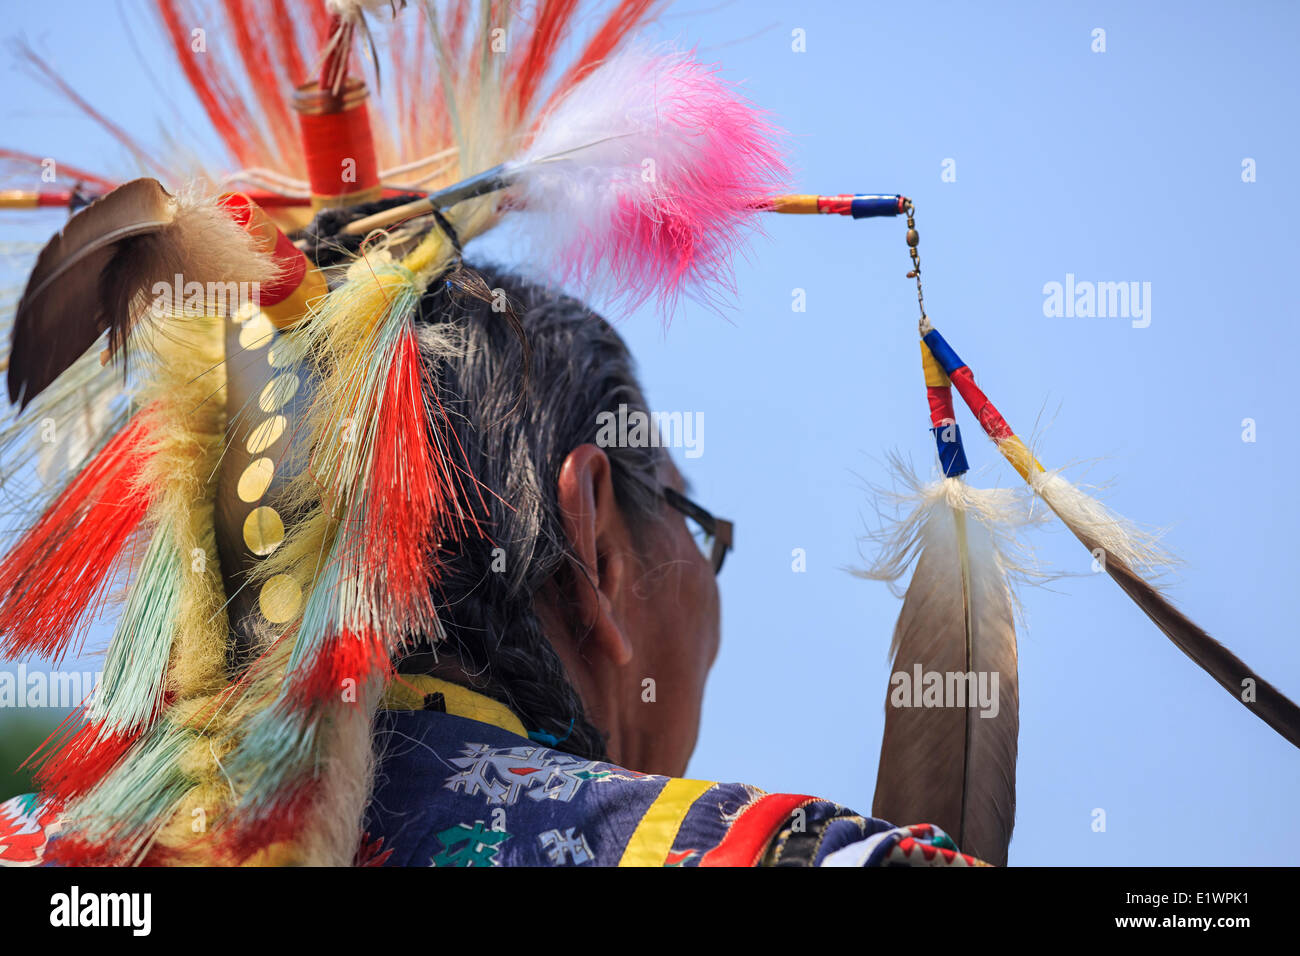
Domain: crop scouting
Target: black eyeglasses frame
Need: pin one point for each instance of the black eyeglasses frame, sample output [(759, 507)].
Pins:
[(720, 530)]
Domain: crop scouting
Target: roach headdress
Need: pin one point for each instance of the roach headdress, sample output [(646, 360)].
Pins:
[(261, 461)]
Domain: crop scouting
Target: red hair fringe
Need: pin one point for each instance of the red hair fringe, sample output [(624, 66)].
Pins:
[(56, 578)]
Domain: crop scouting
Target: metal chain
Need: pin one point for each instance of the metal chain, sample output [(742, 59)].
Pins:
[(913, 237)]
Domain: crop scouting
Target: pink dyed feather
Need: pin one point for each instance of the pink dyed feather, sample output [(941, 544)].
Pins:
[(647, 172)]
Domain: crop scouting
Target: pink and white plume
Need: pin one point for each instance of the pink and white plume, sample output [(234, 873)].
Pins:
[(646, 175)]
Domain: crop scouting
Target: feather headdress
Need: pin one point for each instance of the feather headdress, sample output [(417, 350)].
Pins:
[(273, 479), (274, 476)]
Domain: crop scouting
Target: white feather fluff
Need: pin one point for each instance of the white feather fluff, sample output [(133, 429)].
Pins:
[(648, 170), (1092, 521)]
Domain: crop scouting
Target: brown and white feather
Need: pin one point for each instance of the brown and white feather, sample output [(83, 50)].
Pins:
[(1132, 557), (954, 765), (96, 275)]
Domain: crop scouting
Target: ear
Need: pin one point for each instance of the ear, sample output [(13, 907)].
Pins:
[(600, 540)]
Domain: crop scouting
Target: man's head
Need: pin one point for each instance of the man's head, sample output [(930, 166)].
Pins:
[(590, 604)]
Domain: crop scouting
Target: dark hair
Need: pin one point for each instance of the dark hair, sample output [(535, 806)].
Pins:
[(521, 394)]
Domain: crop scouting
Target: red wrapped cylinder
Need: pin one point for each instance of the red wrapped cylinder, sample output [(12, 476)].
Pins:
[(339, 147)]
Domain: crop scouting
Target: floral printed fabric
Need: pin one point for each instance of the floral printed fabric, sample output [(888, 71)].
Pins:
[(457, 792)]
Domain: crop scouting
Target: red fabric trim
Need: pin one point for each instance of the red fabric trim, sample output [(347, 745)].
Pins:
[(992, 421), (941, 410), (748, 836), (290, 259), (835, 205)]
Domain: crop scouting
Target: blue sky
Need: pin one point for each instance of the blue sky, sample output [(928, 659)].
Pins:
[(1124, 165)]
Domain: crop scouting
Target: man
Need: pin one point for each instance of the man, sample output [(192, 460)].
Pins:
[(524, 733), (520, 732), (527, 736)]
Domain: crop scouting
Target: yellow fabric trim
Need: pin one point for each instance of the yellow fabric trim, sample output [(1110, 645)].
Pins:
[(935, 376), (1014, 450), (286, 314), (799, 205), (19, 199), (408, 691), (654, 835)]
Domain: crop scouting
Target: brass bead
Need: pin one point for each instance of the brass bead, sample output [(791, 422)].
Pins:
[(913, 237)]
